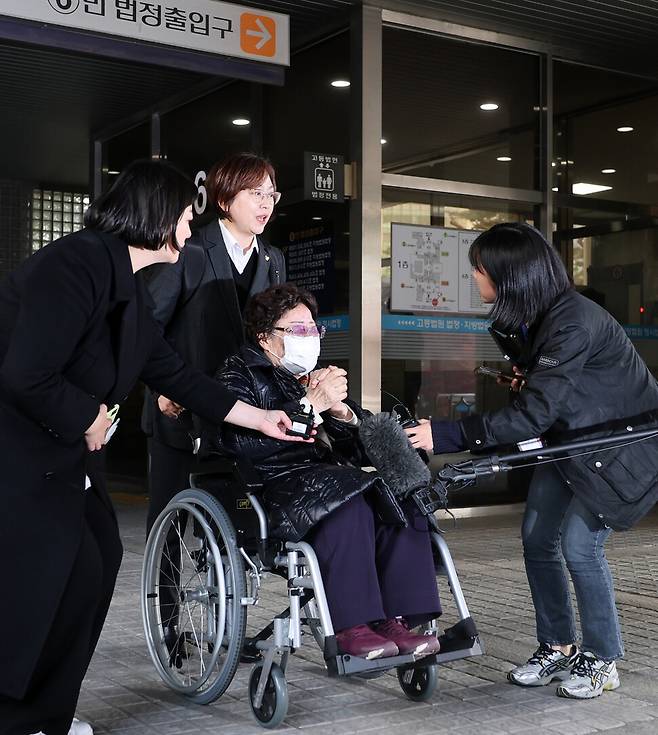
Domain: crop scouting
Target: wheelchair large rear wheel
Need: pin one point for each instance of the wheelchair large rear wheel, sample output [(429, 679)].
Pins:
[(193, 583)]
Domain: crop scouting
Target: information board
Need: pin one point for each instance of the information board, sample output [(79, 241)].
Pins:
[(430, 270), (310, 263)]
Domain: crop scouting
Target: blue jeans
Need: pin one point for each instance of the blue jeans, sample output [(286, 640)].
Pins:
[(558, 528)]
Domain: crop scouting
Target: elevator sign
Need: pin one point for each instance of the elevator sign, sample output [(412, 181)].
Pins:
[(203, 25), (324, 177)]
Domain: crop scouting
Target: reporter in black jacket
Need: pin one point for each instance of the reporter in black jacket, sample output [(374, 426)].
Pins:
[(199, 303), (76, 334), (583, 378)]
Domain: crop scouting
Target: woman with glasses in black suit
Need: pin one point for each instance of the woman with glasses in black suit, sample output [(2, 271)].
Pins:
[(199, 304)]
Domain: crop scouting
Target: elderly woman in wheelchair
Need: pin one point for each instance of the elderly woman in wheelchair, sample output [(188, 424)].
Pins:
[(365, 542), (340, 537)]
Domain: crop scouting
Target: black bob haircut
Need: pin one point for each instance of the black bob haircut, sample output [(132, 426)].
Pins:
[(525, 269), (264, 309), (143, 205)]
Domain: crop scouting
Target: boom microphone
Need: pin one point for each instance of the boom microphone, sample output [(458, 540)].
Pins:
[(392, 455)]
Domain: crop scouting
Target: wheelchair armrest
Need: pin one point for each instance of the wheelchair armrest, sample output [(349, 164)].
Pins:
[(233, 468), (215, 466)]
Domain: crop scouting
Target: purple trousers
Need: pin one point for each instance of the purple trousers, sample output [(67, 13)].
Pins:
[(375, 571)]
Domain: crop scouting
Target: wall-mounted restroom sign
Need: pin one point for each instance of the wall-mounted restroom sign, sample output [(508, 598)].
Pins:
[(203, 25), (324, 177)]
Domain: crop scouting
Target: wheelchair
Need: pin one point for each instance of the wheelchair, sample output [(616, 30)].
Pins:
[(204, 563)]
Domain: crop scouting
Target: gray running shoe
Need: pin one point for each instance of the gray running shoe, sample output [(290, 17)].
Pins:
[(544, 666), (590, 677)]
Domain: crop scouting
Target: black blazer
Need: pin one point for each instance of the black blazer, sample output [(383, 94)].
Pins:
[(75, 331), (197, 305)]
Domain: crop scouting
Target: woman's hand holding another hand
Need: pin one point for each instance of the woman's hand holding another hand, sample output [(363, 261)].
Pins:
[(341, 411), (95, 434), (328, 389), (316, 376)]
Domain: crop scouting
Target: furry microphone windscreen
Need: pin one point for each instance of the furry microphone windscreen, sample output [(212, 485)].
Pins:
[(392, 455)]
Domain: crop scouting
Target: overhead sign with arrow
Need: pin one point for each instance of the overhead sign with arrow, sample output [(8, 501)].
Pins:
[(203, 25)]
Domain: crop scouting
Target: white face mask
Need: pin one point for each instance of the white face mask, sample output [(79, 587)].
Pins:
[(300, 354)]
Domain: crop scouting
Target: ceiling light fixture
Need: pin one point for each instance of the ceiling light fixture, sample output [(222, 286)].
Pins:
[(240, 121), (504, 159), (383, 141), (583, 188), (554, 188), (316, 219), (488, 106), (340, 83), (625, 129), (608, 170)]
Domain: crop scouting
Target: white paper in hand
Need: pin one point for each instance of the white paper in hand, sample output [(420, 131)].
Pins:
[(110, 432)]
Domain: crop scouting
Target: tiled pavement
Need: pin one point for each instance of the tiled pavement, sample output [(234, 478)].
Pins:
[(122, 694)]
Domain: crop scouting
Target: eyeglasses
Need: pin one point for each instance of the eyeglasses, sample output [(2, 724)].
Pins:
[(268, 197), (301, 330)]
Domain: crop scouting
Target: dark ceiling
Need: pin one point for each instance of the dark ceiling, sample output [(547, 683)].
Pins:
[(52, 100), (620, 34)]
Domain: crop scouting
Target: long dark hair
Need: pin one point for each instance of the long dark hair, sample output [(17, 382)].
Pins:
[(525, 269), (143, 205)]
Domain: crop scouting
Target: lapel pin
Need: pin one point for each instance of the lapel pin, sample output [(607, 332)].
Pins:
[(267, 258)]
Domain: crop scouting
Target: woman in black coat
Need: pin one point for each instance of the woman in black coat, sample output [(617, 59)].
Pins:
[(578, 376), (76, 333), (199, 303), (365, 542)]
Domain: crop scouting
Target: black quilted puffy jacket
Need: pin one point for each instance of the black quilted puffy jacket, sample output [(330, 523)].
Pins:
[(585, 380), (303, 482)]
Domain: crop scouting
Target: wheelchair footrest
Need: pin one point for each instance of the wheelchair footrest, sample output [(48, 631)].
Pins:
[(346, 665), (459, 641)]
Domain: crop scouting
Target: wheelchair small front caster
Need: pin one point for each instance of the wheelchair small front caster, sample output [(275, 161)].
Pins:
[(418, 684), (274, 706)]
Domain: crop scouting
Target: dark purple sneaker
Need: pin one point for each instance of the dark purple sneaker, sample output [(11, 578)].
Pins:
[(406, 641), (362, 641)]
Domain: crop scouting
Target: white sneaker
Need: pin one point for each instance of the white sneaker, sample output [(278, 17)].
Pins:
[(544, 666), (78, 727), (590, 677)]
